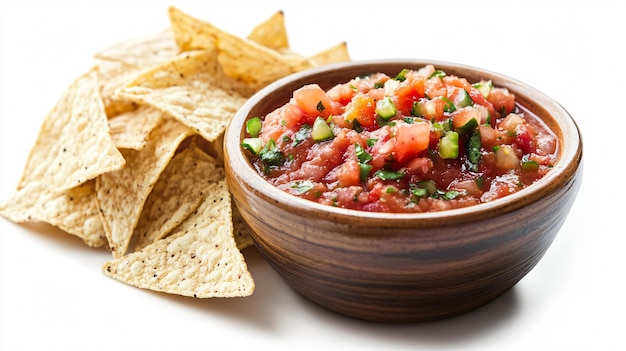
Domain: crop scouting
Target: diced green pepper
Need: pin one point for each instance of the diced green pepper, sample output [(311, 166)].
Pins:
[(253, 126), (385, 108), (449, 145), (468, 127), (484, 87), (321, 130), (463, 99), (254, 145)]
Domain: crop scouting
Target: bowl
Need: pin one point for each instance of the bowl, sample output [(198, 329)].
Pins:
[(390, 267)]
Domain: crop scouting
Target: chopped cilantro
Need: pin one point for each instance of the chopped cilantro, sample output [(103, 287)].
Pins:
[(271, 155), (302, 186), (301, 135), (401, 77), (388, 175), (320, 107)]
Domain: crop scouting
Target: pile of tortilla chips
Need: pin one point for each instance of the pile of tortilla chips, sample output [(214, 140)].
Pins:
[(130, 157)]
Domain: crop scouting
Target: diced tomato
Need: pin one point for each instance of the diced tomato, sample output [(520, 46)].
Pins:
[(511, 122), (463, 116), (457, 82), (362, 109), (291, 115), (314, 101), (407, 93), (479, 99), (411, 139), (490, 137), (502, 100), (506, 158), (501, 186), (468, 185), (275, 122), (419, 166), (434, 87), (341, 93), (526, 139), (431, 109), (348, 174), (516, 147)]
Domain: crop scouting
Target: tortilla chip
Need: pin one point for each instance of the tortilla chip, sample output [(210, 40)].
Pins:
[(271, 33), (143, 51), (243, 59), (130, 130), (334, 54), (213, 148), (74, 210), (111, 76), (242, 236), (178, 192), (121, 194), (193, 89), (199, 260), (74, 144)]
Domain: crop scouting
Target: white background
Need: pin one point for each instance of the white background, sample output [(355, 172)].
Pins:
[(53, 295)]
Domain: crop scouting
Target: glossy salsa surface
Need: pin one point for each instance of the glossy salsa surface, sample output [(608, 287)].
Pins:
[(419, 141)]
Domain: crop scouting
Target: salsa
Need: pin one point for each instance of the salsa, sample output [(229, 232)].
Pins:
[(419, 141)]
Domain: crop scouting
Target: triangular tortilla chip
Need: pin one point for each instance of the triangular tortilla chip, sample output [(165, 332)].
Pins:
[(334, 54), (143, 51), (74, 210), (130, 130), (74, 144), (121, 194), (193, 89), (243, 59), (178, 192), (242, 236), (199, 260), (271, 33), (111, 76)]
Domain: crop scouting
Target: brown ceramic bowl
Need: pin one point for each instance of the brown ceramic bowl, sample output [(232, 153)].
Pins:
[(403, 267)]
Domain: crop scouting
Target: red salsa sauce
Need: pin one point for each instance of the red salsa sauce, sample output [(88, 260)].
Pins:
[(420, 141)]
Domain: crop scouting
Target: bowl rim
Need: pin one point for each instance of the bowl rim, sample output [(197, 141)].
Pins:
[(568, 161)]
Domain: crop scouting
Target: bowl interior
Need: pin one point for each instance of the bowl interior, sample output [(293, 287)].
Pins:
[(279, 93)]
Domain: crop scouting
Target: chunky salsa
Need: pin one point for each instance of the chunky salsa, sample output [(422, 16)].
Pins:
[(419, 141)]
